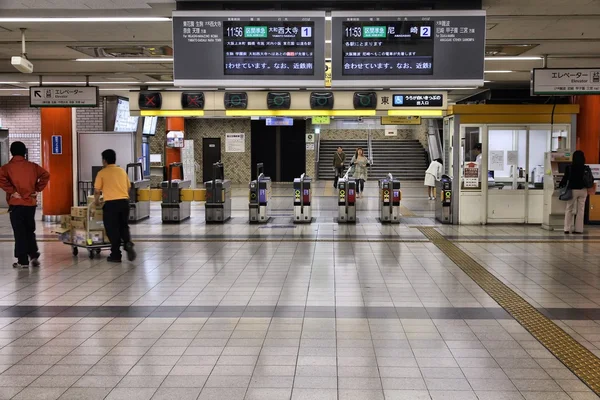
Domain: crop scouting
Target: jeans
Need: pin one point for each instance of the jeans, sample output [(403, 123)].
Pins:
[(575, 211), (22, 219), (360, 185), (116, 223), (339, 171)]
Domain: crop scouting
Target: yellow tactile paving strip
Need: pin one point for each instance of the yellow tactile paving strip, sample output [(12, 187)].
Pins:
[(567, 350), (405, 212)]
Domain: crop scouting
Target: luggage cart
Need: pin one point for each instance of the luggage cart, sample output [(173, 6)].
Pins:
[(93, 249)]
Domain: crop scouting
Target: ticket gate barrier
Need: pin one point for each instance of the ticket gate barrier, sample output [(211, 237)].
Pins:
[(443, 203), (218, 196), (259, 205), (389, 200), (139, 208), (174, 208), (346, 200), (302, 197)]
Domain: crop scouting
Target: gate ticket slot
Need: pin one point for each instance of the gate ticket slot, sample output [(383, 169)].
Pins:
[(174, 207), (389, 200), (302, 197), (259, 204), (443, 204), (139, 205), (346, 200), (218, 196)]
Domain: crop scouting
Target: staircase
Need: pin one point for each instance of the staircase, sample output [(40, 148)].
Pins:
[(405, 159)]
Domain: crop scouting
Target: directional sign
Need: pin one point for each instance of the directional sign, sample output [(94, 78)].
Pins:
[(57, 145), (63, 96), (563, 81)]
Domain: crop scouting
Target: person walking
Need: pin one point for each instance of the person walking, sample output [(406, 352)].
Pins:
[(113, 184), (433, 174), (339, 163), (360, 163), (22, 181), (578, 179)]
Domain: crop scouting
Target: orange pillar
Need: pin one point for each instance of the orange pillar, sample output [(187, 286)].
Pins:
[(173, 155), (588, 127), (58, 195)]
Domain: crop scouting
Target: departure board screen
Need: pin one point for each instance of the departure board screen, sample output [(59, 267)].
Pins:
[(407, 48), (268, 48), (249, 48), (391, 48)]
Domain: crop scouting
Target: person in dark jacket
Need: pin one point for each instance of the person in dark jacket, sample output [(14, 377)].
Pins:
[(22, 181), (339, 163), (573, 179)]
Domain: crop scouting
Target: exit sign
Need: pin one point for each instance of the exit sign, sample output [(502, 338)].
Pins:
[(321, 120)]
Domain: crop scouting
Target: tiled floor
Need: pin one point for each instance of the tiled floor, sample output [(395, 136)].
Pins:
[(316, 312)]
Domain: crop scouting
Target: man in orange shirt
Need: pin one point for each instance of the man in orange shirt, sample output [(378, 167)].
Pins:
[(113, 184), (22, 181)]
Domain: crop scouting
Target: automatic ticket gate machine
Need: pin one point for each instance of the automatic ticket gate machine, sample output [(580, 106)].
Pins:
[(174, 209), (443, 203), (346, 200), (302, 197), (389, 200), (138, 209), (259, 205), (218, 196)]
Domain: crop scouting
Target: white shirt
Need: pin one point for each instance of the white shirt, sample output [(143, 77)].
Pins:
[(478, 161), (435, 169)]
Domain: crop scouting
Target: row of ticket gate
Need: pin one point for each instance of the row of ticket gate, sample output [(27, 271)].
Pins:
[(218, 198)]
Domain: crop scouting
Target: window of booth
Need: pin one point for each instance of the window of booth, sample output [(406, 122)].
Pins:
[(507, 158)]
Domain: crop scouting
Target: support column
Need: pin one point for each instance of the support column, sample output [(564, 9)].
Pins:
[(173, 155), (588, 127), (58, 195)]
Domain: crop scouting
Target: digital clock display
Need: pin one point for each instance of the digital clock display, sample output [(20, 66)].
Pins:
[(268, 48), (387, 48)]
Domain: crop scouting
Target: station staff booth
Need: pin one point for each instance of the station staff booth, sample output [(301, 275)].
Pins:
[(504, 184)]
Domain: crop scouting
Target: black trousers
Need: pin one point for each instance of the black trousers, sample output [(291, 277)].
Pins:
[(116, 223), (360, 185), (338, 174), (22, 219)]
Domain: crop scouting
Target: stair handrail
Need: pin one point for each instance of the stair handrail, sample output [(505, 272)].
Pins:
[(317, 151), (433, 140), (369, 145)]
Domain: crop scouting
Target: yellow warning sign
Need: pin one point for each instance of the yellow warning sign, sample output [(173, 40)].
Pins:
[(328, 74), (401, 120)]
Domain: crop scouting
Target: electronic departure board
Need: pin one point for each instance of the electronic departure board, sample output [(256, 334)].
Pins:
[(408, 48), (249, 49)]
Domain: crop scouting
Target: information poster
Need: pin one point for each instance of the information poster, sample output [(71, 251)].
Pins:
[(235, 142), (249, 47), (496, 160), (408, 48), (471, 175), (512, 157)]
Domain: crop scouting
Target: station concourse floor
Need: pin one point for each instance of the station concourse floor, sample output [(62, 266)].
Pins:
[(303, 312)]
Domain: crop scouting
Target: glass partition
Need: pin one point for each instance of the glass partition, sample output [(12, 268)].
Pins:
[(507, 153)]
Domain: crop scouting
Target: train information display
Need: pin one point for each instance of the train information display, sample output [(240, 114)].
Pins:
[(249, 49), (408, 48)]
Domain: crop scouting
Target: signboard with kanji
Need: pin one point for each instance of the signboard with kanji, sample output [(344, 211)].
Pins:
[(249, 49), (565, 81), (408, 48), (63, 96)]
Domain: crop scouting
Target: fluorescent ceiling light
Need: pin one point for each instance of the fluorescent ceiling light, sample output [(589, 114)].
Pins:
[(328, 18), (80, 83), (499, 72), (327, 41), (127, 59), (13, 90), (501, 58), (86, 19)]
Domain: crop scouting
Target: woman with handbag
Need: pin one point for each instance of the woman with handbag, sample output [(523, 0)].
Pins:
[(574, 190), (360, 172)]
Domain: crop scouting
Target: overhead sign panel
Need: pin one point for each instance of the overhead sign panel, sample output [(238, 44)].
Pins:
[(565, 81), (408, 48), (249, 49), (63, 96), (418, 100)]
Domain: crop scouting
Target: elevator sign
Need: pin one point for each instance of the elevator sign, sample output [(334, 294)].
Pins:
[(63, 96), (563, 81)]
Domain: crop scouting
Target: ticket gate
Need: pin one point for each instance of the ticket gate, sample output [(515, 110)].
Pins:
[(302, 197), (389, 200), (259, 206), (443, 202), (174, 209), (218, 196), (346, 200), (138, 209)]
